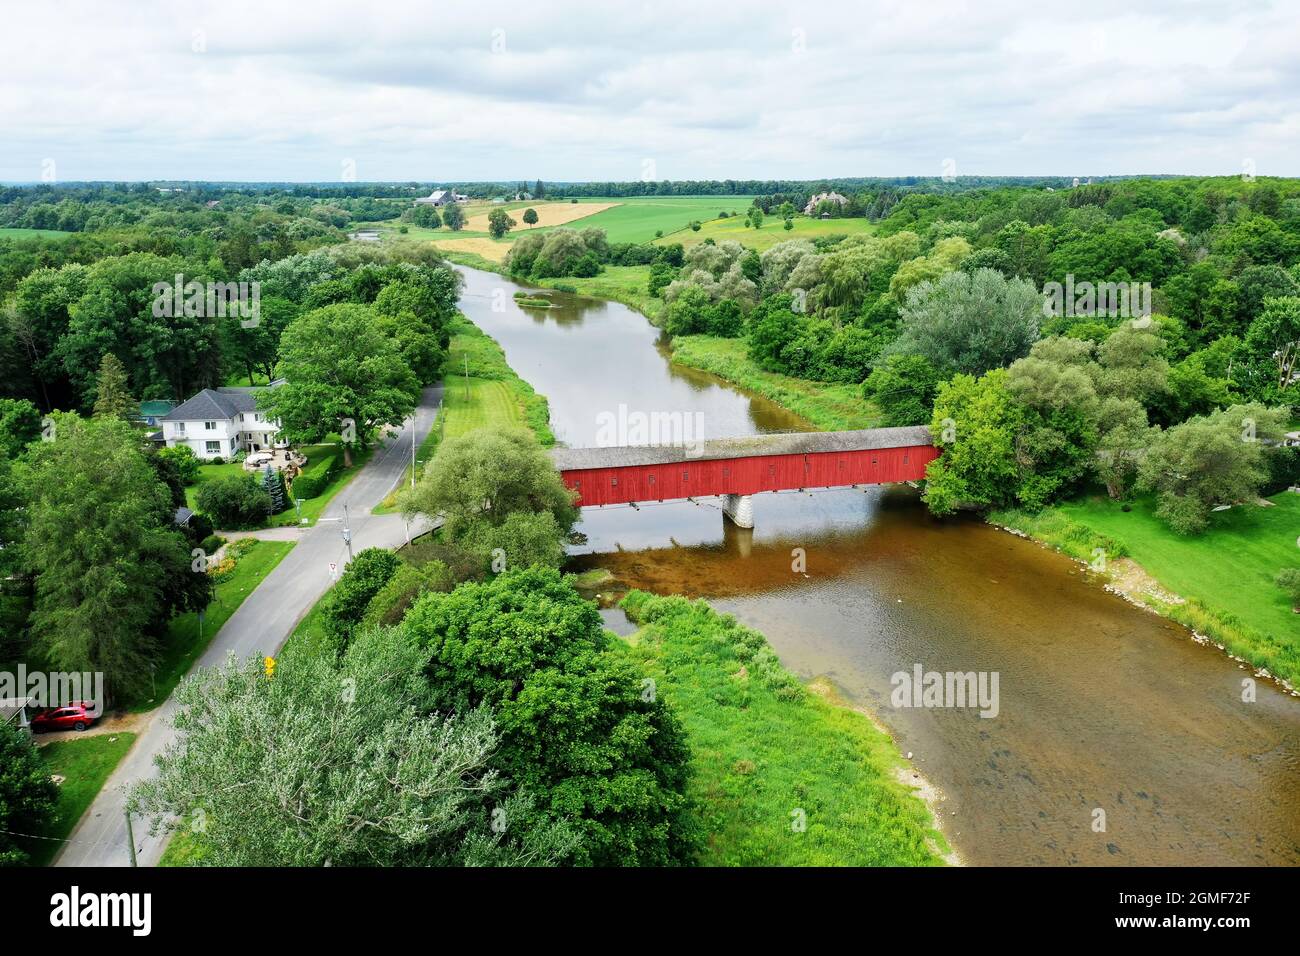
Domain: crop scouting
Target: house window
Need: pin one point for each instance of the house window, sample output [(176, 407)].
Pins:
[(180, 428), (210, 426), (213, 447)]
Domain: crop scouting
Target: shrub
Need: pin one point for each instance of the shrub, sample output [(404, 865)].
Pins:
[(184, 460), (316, 476), (211, 544), (404, 588), (347, 601), (234, 501)]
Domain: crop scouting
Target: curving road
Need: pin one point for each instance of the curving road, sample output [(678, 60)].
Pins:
[(260, 626)]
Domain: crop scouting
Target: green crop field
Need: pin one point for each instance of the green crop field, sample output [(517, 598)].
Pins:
[(638, 218), (14, 233)]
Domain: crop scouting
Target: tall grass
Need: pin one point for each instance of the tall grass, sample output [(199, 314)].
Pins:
[(781, 777)]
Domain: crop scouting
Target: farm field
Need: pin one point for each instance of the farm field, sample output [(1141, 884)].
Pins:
[(548, 214), (772, 231), (15, 233), (638, 218)]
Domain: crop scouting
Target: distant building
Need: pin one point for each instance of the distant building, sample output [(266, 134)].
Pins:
[(364, 235), (217, 422), (821, 198), (441, 197)]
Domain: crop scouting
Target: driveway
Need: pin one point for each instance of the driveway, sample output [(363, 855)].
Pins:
[(259, 627)]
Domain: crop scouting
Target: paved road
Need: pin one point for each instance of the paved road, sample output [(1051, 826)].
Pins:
[(260, 626)]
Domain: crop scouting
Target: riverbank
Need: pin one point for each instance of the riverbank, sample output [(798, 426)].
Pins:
[(783, 776), (1218, 584), (480, 390), (628, 285), (827, 407)]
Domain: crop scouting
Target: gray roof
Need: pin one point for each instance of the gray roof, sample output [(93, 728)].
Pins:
[(182, 516), (801, 443), (214, 403)]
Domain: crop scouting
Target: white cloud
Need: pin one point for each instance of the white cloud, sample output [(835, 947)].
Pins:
[(486, 90)]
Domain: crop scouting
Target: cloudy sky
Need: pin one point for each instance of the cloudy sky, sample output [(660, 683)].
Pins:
[(455, 91)]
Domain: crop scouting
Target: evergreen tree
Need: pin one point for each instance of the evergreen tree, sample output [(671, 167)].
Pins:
[(112, 391), (273, 483)]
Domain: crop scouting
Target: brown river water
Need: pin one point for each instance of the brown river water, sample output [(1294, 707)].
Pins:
[(1101, 706)]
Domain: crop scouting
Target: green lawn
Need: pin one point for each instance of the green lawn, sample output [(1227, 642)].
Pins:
[(829, 407), (311, 507), (768, 753), (184, 642), (86, 763), (492, 397), (771, 232), (1226, 573)]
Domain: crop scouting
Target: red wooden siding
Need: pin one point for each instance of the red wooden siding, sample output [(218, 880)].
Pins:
[(746, 476)]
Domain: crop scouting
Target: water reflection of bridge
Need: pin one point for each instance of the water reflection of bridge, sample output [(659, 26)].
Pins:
[(737, 468)]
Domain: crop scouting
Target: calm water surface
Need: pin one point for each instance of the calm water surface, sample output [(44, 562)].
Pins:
[(1102, 705)]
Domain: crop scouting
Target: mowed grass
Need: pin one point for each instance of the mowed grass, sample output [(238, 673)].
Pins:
[(1225, 575), (1230, 568), (311, 507), (825, 406), (85, 763), (185, 643), (781, 776), (770, 233), (491, 396)]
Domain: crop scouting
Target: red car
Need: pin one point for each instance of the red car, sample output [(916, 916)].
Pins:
[(75, 716)]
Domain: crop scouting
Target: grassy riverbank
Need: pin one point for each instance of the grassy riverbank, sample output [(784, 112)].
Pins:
[(782, 777), (492, 395), (1219, 583), (828, 407)]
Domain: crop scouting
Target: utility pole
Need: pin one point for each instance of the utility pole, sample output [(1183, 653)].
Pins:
[(347, 532), (130, 837)]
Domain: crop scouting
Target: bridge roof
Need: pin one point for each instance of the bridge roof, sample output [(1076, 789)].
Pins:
[(800, 443)]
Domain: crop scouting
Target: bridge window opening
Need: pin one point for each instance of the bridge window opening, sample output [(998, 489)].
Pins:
[(874, 460), (905, 458), (613, 482), (686, 475), (726, 472), (652, 479)]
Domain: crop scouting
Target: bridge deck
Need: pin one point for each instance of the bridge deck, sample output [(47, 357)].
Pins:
[(744, 466)]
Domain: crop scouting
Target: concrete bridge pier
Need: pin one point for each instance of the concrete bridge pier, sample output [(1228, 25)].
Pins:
[(740, 509)]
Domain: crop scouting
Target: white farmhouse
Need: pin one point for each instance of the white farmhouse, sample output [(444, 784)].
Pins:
[(217, 422)]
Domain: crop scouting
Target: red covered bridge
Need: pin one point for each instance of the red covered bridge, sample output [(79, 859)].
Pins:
[(739, 467)]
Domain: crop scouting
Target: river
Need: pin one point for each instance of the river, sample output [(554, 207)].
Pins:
[(1101, 706)]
